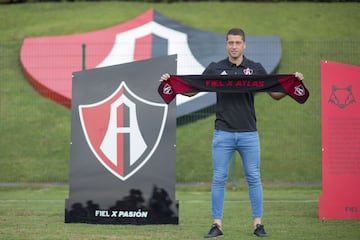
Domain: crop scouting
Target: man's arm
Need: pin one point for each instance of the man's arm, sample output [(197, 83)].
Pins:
[(277, 95)]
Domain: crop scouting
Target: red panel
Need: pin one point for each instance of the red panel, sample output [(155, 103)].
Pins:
[(120, 140), (143, 48), (340, 104)]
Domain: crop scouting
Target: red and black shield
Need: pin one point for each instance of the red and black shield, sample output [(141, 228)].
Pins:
[(115, 127)]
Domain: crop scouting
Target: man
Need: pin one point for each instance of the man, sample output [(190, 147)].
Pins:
[(235, 130)]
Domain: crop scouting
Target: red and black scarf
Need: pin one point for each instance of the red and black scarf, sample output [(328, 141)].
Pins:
[(285, 83)]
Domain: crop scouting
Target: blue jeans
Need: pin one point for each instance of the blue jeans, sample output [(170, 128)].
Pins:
[(223, 147)]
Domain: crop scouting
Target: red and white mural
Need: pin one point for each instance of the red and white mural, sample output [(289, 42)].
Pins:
[(48, 62)]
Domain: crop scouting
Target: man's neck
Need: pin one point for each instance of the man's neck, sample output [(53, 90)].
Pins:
[(236, 61)]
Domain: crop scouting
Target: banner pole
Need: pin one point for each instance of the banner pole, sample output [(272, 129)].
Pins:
[(83, 56)]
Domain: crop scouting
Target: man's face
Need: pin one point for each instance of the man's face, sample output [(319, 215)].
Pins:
[(235, 46)]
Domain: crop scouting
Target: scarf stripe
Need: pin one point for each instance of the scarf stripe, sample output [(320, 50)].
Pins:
[(182, 84)]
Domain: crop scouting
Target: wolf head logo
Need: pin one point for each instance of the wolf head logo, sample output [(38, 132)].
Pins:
[(341, 97)]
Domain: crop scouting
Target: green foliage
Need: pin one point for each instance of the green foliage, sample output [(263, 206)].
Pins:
[(169, 1), (35, 132)]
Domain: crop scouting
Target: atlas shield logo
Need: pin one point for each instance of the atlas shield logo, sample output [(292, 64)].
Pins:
[(248, 71), (167, 89), (114, 131), (299, 91)]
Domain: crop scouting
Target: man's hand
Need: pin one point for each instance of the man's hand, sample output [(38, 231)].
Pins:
[(299, 76), (164, 77)]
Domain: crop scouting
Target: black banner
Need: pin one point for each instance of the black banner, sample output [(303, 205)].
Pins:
[(123, 138)]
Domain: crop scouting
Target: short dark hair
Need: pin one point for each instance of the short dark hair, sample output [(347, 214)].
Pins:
[(236, 31)]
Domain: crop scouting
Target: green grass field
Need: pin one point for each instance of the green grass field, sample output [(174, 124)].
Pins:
[(34, 213)]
